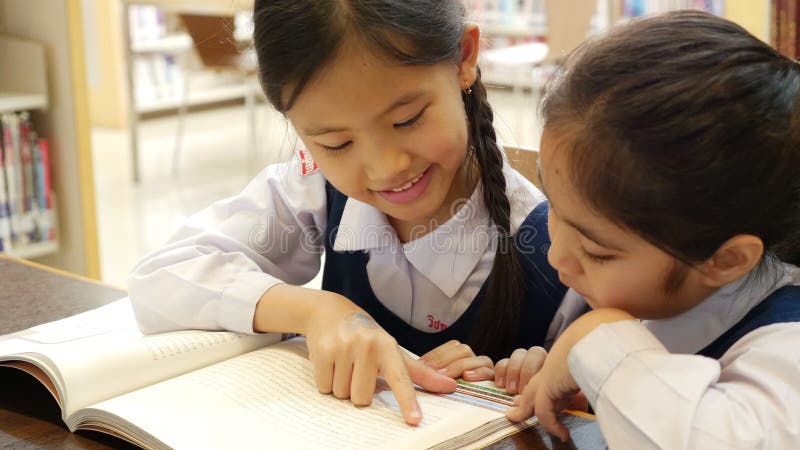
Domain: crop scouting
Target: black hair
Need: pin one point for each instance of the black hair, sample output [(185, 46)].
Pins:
[(685, 129), (295, 38)]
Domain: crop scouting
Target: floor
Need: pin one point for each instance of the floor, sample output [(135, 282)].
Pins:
[(134, 219)]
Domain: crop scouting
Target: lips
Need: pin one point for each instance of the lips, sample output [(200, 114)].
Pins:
[(407, 185), (409, 191)]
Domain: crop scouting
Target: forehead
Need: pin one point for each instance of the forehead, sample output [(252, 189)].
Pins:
[(357, 80), (552, 155), (556, 180)]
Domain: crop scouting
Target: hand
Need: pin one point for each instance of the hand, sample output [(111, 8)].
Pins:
[(553, 388), (349, 350), (457, 360), (548, 393), (513, 373)]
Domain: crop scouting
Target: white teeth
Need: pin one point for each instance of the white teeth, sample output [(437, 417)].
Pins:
[(407, 185), (403, 188)]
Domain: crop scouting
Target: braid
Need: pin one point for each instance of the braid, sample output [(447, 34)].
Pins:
[(496, 329)]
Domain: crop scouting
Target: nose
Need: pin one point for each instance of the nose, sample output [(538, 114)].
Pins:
[(560, 255), (387, 165)]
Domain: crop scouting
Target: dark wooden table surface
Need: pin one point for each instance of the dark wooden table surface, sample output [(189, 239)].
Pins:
[(30, 418)]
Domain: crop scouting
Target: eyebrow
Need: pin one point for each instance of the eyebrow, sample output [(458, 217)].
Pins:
[(402, 101), (584, 231)]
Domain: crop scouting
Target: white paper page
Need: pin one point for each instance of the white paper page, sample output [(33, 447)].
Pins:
[(267, 399), (101, 354), (108, 319)]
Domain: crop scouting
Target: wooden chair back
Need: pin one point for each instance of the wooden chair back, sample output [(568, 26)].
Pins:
[(525, 160)]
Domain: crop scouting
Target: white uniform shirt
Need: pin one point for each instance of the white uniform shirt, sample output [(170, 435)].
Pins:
[(650, 390), (220, 262)]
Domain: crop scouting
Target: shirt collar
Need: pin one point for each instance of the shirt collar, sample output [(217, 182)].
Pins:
[(695, 329), (363, 227), (447, 256)]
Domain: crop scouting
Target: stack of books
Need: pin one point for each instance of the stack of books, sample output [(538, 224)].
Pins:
[(26, 204)]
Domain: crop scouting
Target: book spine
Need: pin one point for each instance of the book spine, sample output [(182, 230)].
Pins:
[(47, 198), (12, 186), (5, 221), (27, 222), (36, 207)]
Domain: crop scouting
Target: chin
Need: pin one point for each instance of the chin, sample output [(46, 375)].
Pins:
[(409, 213)]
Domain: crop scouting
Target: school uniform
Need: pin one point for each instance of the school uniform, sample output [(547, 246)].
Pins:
[(725, 374), (425, 292)]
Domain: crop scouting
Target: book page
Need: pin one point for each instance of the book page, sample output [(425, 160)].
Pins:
[(268, 398), (100, 354)]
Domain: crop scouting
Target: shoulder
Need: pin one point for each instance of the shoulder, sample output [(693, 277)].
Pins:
[(289, 181), (772, 346)]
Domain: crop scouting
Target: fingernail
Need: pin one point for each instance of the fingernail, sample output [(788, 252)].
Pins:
[(516, 400), (512, 386), (469, 373), (442, 371), (500, 382), (415, 414)]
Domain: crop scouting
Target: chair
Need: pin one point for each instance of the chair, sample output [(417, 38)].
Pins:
[(525, 160), (216, 47)]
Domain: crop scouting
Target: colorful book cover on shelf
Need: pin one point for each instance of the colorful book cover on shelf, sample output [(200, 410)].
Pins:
[(26, 214)]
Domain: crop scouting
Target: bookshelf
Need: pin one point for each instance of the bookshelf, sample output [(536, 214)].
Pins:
[(23, 87), (21, 101), (52, 86)]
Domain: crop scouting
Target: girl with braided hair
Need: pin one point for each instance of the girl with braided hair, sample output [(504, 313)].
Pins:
[(432, 242), (671, 158)]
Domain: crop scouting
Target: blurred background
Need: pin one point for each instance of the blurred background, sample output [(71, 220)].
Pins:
[(122, 117)]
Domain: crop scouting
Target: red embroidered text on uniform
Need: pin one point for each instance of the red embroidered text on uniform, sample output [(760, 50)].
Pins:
[(436, 324), (307, 164)]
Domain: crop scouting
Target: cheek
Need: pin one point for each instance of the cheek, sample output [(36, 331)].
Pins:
[(632, 289), (443, 149), (339, 170), (442, 139)]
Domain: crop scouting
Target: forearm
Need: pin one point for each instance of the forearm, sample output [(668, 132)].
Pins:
[(286, 308)]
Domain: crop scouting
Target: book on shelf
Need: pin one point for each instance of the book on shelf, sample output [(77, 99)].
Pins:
[(26, 208), (205, 389)]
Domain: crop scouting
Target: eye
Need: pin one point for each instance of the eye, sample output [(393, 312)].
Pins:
[(337, 147), (410, 121), (599, 259)]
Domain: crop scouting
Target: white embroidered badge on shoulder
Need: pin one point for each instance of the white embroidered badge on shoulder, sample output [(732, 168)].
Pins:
[(307, 164)]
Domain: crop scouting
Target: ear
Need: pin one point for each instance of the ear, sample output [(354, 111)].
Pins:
[(468, 63), (733, 259)]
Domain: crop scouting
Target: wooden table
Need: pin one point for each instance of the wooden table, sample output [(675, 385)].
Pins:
[(31, 294)]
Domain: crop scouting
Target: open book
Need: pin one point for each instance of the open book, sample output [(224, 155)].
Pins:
[(196, 389)]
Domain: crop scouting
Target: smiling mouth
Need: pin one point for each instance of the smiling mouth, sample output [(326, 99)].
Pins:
[(408, 185)]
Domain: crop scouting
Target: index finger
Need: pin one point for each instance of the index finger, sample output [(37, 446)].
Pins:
[(446, 353), (394, 372), (547, 414)]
